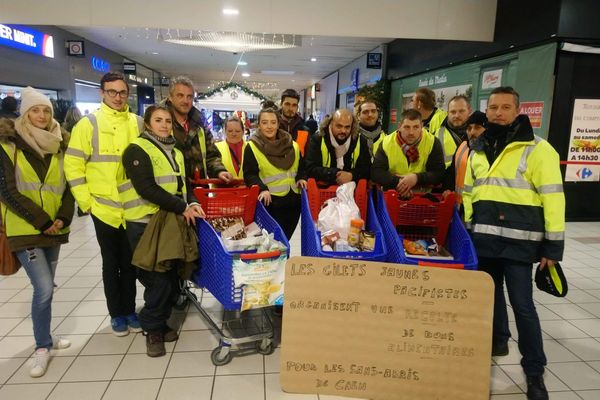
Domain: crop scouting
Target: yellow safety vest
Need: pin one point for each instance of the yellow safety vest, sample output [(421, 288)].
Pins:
[(136, 208), (93, 161), (279, 181), (398, 163), (436, 121), (378, 142), (325, 153), (47, 194), (518, 198), (448, 144), (227, 160)]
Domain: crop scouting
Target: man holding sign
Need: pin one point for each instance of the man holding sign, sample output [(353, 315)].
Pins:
[(515, 206)]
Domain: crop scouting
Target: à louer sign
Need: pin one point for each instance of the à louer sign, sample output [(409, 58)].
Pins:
[(26, 39)]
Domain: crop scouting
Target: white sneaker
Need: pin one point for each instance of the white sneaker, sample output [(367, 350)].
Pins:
[(59, 343), (41, 357)]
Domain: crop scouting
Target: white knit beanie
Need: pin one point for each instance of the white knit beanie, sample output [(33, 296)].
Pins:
[(31, 97)]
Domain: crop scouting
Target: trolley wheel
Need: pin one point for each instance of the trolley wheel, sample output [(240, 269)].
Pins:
[(215, 357), (265, 348)]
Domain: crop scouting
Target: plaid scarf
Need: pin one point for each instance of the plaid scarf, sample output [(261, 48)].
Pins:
[(411, 151)]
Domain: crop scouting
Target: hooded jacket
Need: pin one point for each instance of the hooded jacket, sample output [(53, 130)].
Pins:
[(22, 205), (315, 165)]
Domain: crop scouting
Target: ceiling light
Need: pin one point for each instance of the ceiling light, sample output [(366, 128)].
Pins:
[(313, 59), (242, 63), (235, 42), (230, 11), (245, 74)]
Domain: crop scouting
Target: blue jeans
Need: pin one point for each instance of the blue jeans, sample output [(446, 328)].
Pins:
[(520, 293), (40, 265)]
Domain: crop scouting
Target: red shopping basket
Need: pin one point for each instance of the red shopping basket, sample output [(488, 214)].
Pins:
[(228, 202), (424, 216), (318, 194)]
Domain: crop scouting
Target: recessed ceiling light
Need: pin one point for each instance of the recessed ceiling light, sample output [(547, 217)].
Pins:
[(231, 11), (242, 63), (245, 74), (155, 53), (313, 59)]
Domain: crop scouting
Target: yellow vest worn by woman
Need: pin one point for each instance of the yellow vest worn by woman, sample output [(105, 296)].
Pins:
[(279, 181), (138, 209), (227, 160), (47, 194)]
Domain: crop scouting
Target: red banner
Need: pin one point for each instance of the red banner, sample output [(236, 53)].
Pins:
[(534, 110)]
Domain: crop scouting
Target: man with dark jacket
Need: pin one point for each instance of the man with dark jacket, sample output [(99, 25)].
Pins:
[(338, 154), (289, 119), (202, 158), (9, 108)]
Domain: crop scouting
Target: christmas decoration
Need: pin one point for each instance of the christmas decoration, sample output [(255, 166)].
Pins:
[(234, 85)]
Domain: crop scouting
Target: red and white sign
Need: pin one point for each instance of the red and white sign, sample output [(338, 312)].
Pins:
[(393, 115), (491, 79), (534, 110)]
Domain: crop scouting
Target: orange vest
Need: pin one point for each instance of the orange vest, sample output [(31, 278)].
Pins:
[(460, 167)]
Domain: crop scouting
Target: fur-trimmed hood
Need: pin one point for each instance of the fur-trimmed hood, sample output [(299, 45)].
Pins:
[(8, 133), (324, 127)]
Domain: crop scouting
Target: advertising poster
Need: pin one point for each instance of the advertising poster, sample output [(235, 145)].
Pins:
[(534, 110), (583, 162), (491, 79)]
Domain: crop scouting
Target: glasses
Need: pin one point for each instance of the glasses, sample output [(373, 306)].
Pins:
[(113, 93)]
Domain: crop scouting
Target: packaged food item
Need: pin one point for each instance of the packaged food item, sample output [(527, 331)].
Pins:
[(329, 237), (414, 248), (262, 281), (342, 245), (367, 240), (229, 227), (356, 225), (327, 247)]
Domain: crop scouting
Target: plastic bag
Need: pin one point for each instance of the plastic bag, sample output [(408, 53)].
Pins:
[(338, 211)]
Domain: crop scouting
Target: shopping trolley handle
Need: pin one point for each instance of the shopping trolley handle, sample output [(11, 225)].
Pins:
[(256, 256), (217, 181)]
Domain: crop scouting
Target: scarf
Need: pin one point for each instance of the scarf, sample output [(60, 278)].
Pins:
[(236, 154), (42, 141), (411, 151), (280, 151), (340, 150), (370, 134)]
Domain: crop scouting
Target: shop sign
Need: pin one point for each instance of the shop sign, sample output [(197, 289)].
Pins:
[(129, 68), (393, 115), (354, 79), (433, 80), (100, 65), (26, 39), (491, 79), (374, 60), (534, 110), (135, 78), (583, 161)]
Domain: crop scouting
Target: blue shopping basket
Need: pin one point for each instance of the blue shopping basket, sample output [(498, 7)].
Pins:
[(456, 240), (313, 199)]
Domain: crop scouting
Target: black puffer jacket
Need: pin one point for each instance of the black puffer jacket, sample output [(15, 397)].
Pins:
[(22, 205)]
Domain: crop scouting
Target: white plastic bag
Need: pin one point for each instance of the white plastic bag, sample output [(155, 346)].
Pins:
[(338, 211)]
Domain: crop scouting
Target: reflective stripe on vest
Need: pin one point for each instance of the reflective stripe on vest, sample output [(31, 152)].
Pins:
[(447, 152), (326, 160), (135, 208), (279, 181), (510, 233), (47, 194)]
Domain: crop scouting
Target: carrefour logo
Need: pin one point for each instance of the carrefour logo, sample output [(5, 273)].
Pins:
[(26, 39), (584, 173), (100, 65)]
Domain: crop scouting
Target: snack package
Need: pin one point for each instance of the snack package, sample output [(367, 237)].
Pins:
[(367, 241), (262, 281), (229, 227), (414, 248)]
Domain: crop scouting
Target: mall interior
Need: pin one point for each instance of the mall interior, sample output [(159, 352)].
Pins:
[(240, 53)]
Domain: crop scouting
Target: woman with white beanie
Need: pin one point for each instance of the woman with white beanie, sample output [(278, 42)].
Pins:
[(37, 208)]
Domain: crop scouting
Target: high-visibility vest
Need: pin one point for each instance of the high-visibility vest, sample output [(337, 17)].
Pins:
[(460, 166), (227, 159), (378, 142), (135, 208), (516, 203), (47, 194), (448, 144), (436, 121), (93, 161), (279, 181), (398, 163), (325, 153)]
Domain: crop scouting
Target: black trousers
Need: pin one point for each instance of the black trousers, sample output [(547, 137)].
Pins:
[(160, 288), (286, 211), (118, 275)]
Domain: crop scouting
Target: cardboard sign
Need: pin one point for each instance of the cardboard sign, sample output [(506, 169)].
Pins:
[(583, 160), (386, 331)]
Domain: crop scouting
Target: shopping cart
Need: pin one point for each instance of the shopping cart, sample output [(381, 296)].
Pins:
[(423, 217), (312, 200), (215, 272)]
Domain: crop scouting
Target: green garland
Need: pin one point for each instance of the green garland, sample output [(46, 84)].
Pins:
[(230, 85)]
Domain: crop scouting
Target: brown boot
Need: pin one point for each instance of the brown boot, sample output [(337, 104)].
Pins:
[(155, 344), (170, 335)]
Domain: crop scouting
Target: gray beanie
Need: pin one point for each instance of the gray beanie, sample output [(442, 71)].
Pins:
[(31, 97)]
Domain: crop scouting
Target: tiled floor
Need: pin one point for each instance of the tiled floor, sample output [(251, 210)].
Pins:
[(101, 366)]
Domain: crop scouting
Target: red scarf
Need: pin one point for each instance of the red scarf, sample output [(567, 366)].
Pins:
[(236, 154), (411, 151)]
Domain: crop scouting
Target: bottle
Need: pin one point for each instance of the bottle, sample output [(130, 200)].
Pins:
[(356, 226)]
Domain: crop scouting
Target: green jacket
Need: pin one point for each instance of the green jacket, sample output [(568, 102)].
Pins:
[(167, 241)]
